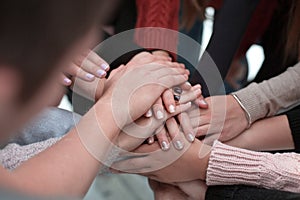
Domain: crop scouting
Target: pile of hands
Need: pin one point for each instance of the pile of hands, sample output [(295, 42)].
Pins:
[(164, 139)]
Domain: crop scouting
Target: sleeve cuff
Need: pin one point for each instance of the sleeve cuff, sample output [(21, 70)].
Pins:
[(231, 166), (252, 104)]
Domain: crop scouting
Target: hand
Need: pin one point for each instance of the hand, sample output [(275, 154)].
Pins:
[(163, 166), (86, 67), (135, 87), (166, 101), (133, 135), (163, 135), (196, 190), (163, 191), (223, 115), (193, 190)]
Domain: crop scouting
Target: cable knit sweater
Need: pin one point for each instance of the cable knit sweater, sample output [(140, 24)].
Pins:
[(161, 16), (230, 166)]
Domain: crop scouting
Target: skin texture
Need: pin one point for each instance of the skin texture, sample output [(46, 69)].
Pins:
[(228, 117), (268, 134), (88, 66), (57, 168)]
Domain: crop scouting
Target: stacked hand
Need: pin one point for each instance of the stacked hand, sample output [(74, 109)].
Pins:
[(88, 66)]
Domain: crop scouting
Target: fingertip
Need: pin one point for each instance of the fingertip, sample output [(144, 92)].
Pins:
[(165, 146), (190, 137), (159, 114), (101, 73), (151, 140), (105, 66), (172, 109), (149, 113), (201, 103), (179, 145), (67, 81), (90, 77)]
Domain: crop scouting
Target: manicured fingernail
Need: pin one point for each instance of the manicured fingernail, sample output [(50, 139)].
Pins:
[(190, 137), (189, 104), (150, 140), (203, 102), (188, 84), (165, 146), (197, 92), (104, 66), (101, 73), (67, 81), (89, 76), (159, 115), (172, 109), (149, 113), (178, 145)]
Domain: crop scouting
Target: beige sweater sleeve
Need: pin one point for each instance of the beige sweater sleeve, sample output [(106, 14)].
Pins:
[(268, 97)]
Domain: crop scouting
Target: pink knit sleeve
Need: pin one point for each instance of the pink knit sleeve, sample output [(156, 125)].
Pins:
[(232, 166)]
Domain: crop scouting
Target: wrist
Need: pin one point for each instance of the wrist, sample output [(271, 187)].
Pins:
[(161, 53), (236, 108), (203, 155), (97, 131)]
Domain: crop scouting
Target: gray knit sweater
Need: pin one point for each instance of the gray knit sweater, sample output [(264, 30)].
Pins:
[(42, 132), (270, 97)]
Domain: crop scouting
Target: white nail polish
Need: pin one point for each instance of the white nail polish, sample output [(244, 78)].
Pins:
[(190, 137), (101, 73), (172, 109), (67, 81), (178, 145), (149, 113), (104, 66), (165, 146), (188, 84), (203, 102), (150, 140), (159, 115), (189, 104), (89, 76)]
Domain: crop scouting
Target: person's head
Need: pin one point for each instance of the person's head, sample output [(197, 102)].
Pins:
[(37, 37)]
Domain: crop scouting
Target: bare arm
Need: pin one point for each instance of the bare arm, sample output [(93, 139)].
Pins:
[(66, 168), (266, 135)]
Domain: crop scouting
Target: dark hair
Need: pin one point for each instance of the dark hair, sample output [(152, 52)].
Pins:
[(36, 34), (293, 31), (192, 9)]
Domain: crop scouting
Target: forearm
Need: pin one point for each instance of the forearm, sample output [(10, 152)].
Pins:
[(68, 167), (267, 98), (266, 135)]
